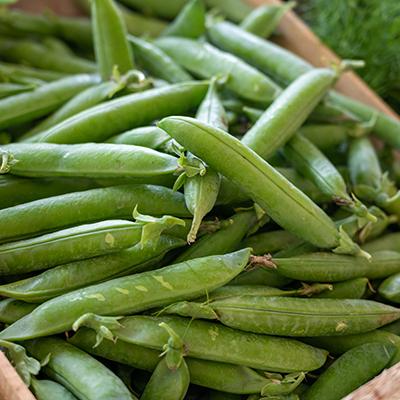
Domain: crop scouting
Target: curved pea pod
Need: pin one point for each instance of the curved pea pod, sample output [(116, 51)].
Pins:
[(118, 115), (389, 242), (67, 245), (94, 160), (190, 22), (12, 310), (350, 371), (351, 289), (289, 111), (390, 288), (207, 61), (210, 341), (263, 20), (74, 275), (79, 372), (129, 294), (156, 62), (26, 107), (261, 276), (260, 181), (146, 136), (50, 390), (57, 212), (328, 267), (216, 375), (285, 316), (110, 44)]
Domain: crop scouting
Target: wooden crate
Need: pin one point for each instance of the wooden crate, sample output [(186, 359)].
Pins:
[(296, 36)]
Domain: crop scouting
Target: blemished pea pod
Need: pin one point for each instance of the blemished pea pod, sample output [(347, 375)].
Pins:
[(190, 22), (92, 160), (262, 182), (390, 242), (288, 112), (77, 371), (351, 289), (223, 241), (74, 275), (390, 288), (263, 20), (204, 60), (261, 276), (156, 62), (110, 43), (68, 245), (26, 107), (105, 120), (350, 371), (211, 341), (76, 208), (38, 56), (216, 375), (12, 310), (328, 267), (49, 390), (287, 316), (130, 294)]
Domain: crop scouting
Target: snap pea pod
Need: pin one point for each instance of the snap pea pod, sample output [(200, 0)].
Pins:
[(216, 375), (350, 371), (190, 22), (289, 111), (38, 56), (328, 267), (235, 10), (11, 89), (261, 276), (26, 107), (351, 289), (201, 191), (77, 371), (23, 74), (287, 316), (12, 310), (74, 275), (263, 20), (390, 288), (207, 61), (131, 294), (262, 182), (57, 45), (67, 245), (156, 62), (157, 7), (70, 209), (50, 390), (390, 242), (110, 43), (127, 112), (93, 160), (223, 241), (326, 136), (210, 341)]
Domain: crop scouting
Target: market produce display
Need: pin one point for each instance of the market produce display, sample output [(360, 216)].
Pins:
[(190, 211)]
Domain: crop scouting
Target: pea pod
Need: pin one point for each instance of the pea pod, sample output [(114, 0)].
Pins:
[(26, 107), (235, 10), (207, 61), (389, 242), (326, 136), (131, 294), (390, 288), (105, 120), (351, 289), (11, 89), (394, 327), (156, 7), (261, 276), (50, 390), (79, 372), (23, 74), (12, 310), (350, 371), (262, 182)]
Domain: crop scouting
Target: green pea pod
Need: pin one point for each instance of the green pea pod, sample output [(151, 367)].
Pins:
[(390, 288), (110, 43), (133, 293), (326, 136), (12, 310), (93, 160), (350, 371), (26, 107), (264, 20), (210, 341), (207, 61), (351, 289), (284, 316), (156, 62), (190, 22), (157, 7), (77, 371), (216, 375), (394, 327), (50, 390), (105, 120), (74, 275), (389, 242), (328, 267), (23, 74), (262, 182), (58, 46), (235, 10), (261, 276), (11, 89)]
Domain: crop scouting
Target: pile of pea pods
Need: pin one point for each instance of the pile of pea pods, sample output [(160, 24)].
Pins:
[(189, 211)]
